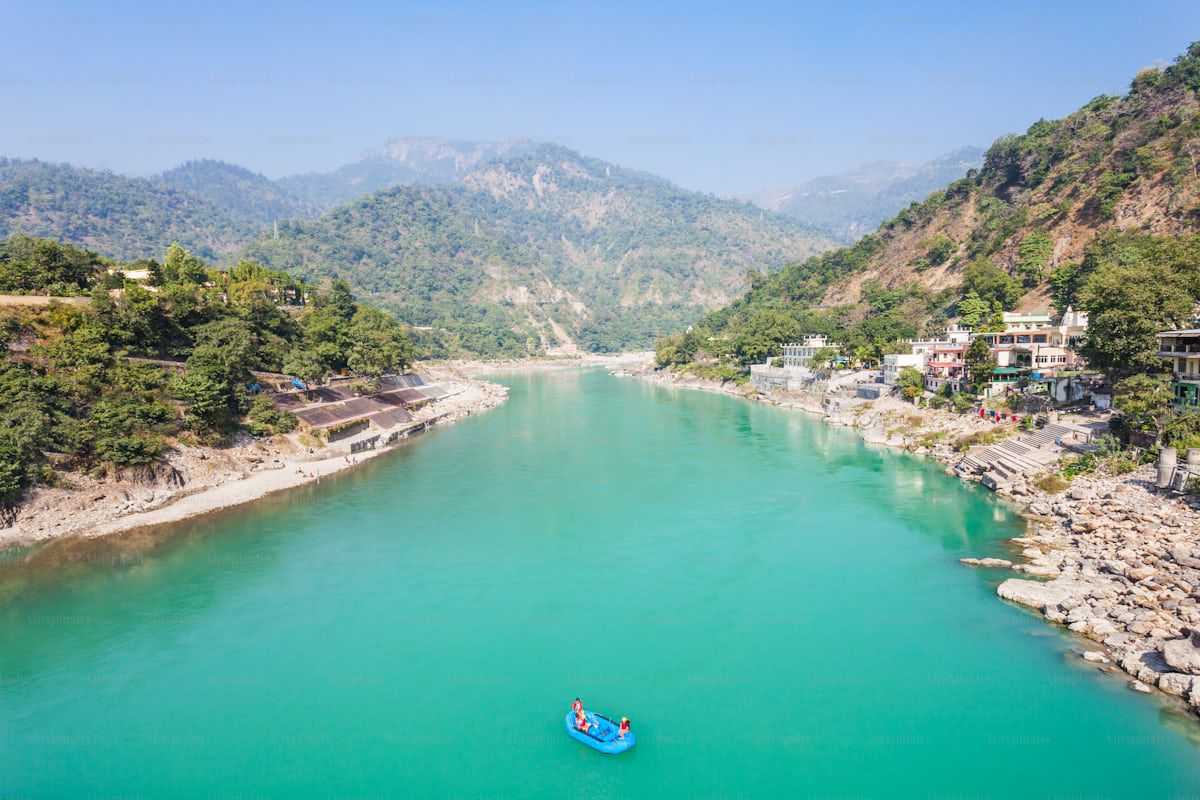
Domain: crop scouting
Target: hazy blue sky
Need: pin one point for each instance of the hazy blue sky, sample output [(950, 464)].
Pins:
[(716, 97)]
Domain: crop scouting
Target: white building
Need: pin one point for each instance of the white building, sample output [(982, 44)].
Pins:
[(796, 374), (800, 356), (893, 363)]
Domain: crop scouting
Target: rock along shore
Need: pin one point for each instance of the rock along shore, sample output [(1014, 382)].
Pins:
[(1111, 558)]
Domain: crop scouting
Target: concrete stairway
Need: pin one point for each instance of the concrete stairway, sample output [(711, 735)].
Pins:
[(1001, 463)]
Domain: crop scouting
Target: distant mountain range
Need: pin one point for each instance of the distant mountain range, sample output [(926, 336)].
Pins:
[(559, 247), (253, 199), (117, 216), (507, 246), (400, 162), (848, 205)]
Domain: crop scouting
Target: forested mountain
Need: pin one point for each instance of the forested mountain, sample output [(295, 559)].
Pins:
[(850, 204), (1098, 210), (547, 248), (252, 198), (120, 217), (401, 162)]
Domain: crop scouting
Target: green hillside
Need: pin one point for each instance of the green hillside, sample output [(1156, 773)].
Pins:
[(1106, 197), (545, 248), (120, 217), (253, 199)]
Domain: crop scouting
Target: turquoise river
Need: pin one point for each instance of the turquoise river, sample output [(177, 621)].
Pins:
[(778, 607)]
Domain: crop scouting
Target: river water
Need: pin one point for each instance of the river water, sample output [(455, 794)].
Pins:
[(777, 606)]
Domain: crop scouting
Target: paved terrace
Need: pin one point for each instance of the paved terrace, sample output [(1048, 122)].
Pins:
[(327, 407)]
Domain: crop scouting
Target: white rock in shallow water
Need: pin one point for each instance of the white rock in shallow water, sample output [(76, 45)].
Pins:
[(1037, 594), (1099, 629), (993, 563), (1176, 683), (1095, 656), (1182, 655), (1138, 686)]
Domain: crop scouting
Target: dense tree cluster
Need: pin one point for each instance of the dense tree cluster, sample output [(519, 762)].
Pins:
[(87, 382)]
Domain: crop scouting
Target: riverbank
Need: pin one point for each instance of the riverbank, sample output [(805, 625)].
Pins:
[(1109, 557), (192, 481), (467, 368)]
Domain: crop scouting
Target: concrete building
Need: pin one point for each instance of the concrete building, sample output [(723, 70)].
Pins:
[(799, 355), (796, 373), (945, 365), (1029, 342), (1181, 349), (893, 363)]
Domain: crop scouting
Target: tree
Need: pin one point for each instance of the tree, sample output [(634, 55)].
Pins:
[(762, 335), (1035, 252), (979, 361), (12, 475), (911, 383), (305, 365), (379, 344), (823, 357), (1127, 305), (672, 350), (991, 284), (866, 355), (42, 265), (180, 266), (206, 396), (1144, 401), (972, 310), (938, 249)]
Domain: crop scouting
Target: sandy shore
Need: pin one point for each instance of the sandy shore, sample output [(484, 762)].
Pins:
[(194, 480)]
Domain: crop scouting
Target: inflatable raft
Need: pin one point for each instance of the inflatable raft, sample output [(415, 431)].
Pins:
[(602, 735)]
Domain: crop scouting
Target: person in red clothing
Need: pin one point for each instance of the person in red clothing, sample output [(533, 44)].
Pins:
[(581, 722), (624, 729)]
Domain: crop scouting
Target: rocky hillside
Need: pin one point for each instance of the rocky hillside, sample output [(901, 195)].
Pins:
[(851, 204), (253, 199), (551, 245), (401, 162), (1127, 164), (1099, 210), (119, 217)]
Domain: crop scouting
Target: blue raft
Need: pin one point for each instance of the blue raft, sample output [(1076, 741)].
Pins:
[(602, 735)]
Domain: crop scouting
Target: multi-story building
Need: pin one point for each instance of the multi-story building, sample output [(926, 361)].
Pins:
[(1029, 342), (797, 370), (893, 363), (799, 355), (1182, 350), (945, 365)]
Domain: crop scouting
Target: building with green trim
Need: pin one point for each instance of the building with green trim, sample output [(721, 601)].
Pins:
[(1181, 349)]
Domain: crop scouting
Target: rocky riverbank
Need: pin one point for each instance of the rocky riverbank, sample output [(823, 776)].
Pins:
[(1123, 563), (889, 421), (194, 480), (1111, 558)]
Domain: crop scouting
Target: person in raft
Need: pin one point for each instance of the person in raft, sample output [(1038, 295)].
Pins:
[(624, 729), (581, 721)]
